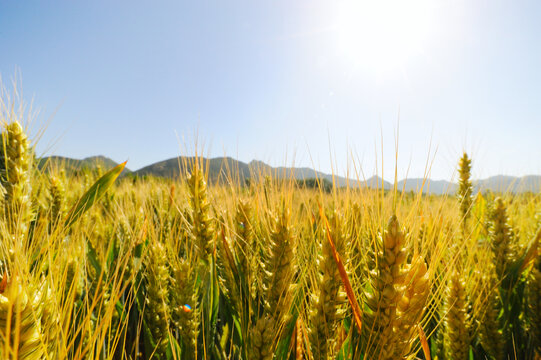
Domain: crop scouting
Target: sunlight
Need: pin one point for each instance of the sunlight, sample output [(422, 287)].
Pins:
[(380, 36)]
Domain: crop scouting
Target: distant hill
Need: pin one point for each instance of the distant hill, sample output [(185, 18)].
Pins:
[(428, 186), (71, 165), (375, 182), (298, 173), (499, 183), (220, 167), (225, 169), (514, 184)]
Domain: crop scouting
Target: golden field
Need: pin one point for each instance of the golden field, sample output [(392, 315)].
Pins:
[(95, 267)]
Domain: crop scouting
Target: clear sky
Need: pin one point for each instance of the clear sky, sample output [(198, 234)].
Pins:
[(284, 81)]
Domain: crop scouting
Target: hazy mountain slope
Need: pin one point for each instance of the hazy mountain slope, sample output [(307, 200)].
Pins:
[(502, 183), (219, 168), (70, 164), (428, 186), (227, 169)]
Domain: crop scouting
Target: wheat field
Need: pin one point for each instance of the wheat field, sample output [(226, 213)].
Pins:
[(97, 266)]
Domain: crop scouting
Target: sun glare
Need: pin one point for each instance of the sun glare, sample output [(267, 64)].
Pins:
[(382, 35)]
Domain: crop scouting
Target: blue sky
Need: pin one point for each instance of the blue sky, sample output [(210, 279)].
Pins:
[(314, 83)]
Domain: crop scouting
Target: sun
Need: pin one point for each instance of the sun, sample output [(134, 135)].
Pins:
[(382, 35)]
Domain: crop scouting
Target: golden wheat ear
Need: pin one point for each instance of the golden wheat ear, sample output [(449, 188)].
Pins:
[(184, 306), (501, 239), (202, 224), (327, 300), (381, 300), (490, 331), (456, 326), (157, 309), (20, 324), (58, 199), (15, 161), (411, 306)]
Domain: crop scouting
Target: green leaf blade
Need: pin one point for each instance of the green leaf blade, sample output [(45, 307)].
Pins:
[(93, 194)]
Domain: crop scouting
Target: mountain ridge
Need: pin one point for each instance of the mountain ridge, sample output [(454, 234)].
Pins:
[(71, 164), (228, 168)]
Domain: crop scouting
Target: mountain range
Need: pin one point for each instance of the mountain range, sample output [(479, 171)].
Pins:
[(228, 169)]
